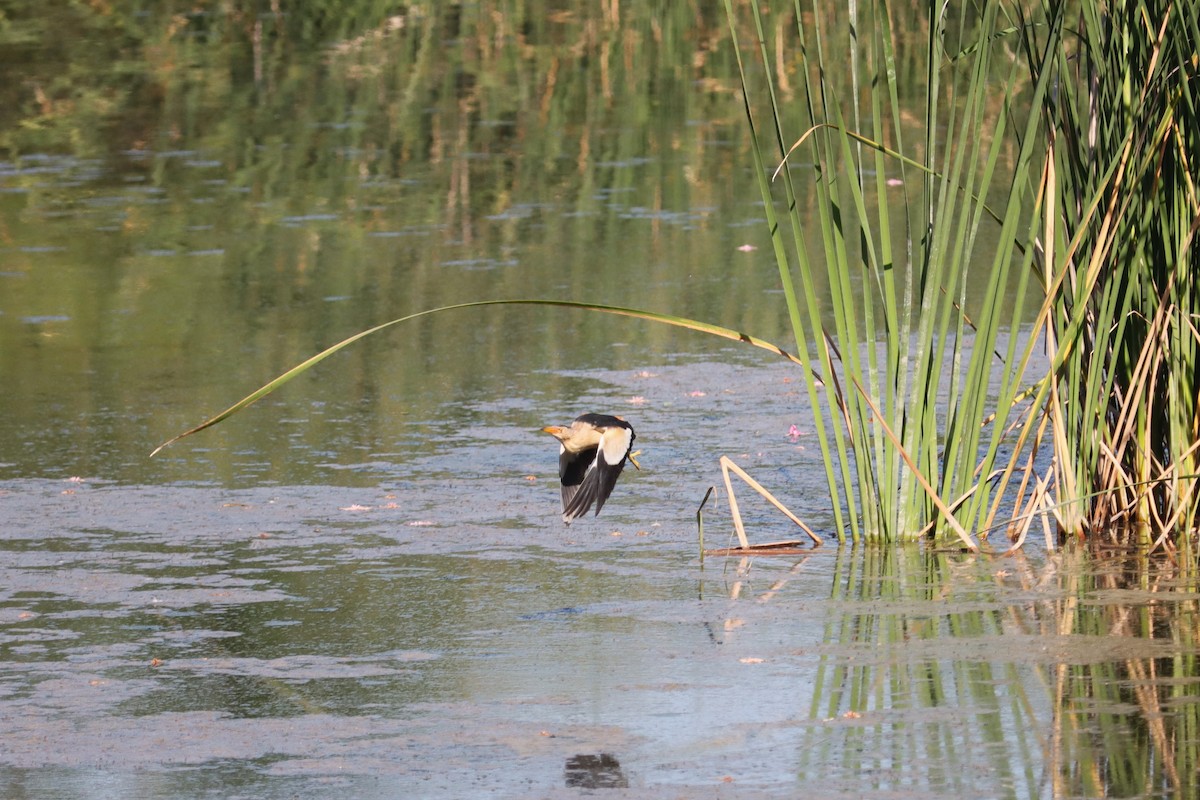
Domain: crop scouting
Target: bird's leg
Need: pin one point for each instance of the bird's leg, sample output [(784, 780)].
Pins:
[(633, 459)]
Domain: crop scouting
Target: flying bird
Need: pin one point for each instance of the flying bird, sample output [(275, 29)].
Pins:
[(593, 453)]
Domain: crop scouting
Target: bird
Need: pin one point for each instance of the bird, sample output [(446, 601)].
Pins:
[(593, 452)]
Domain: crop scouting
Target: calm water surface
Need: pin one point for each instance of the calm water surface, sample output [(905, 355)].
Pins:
[(165, 641), (361, 586)]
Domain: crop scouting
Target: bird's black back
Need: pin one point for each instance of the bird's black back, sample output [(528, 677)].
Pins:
[(606, 421)]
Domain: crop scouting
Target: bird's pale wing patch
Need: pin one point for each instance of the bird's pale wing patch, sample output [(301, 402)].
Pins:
[(615, 444)]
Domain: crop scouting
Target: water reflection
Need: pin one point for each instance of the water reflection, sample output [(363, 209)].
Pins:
[(1055, 678), (602, 771)]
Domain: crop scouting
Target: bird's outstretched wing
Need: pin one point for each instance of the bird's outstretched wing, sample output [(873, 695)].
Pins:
[(572, 469)]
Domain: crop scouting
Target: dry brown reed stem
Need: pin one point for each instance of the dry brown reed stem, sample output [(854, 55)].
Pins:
[(728, 465)]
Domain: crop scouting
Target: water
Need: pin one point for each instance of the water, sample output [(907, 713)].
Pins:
[(361, 586), (168, 641)]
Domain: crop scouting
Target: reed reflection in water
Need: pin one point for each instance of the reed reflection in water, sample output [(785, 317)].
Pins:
[(1071, 677)]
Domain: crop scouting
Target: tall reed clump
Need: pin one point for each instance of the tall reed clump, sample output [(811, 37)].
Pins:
[(938, 216), (1123, 149), (914, 346)]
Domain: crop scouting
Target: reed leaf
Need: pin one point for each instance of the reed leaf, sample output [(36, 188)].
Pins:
[(304, 366)]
